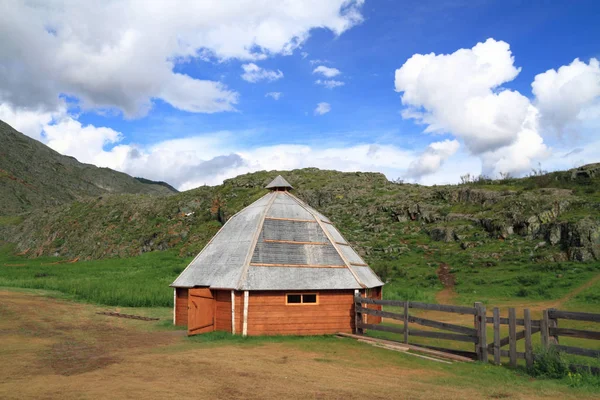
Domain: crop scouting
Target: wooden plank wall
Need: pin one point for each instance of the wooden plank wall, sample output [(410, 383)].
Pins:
[(223, 311), (239, 312), (269, 315), (181, 306)]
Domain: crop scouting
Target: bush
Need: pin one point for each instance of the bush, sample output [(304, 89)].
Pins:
[(549, 363)]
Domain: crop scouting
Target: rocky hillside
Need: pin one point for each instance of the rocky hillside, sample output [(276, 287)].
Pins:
[(551, 218), (32, 175)]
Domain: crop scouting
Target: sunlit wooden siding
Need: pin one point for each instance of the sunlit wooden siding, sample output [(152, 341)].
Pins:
[(181, 306), (268, 313)]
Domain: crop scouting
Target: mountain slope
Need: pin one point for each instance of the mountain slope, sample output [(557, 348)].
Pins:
[(33, 175), (553, 217), (535, 237)]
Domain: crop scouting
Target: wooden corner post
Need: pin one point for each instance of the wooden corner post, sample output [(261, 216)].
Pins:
[(528, 344), (481, 331), (544, 330), (552, 325), (174, 306), (406, 305), (497, 336), (245, 316), (358, 317), (512, 336), (233, 312)]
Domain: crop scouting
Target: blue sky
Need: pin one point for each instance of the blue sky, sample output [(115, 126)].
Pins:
[(108, 97)]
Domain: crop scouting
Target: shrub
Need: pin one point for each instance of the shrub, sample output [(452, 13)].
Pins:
[(549, 363)]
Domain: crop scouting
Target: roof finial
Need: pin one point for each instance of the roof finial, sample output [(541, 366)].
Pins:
[(279, 184)]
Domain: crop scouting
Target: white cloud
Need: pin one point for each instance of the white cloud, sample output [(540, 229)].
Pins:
[(274, 95), (432, 158), (127, 63), (329, 83), (326, 71), (461, 94), (519, 156), (29, 122), (195, 95), (253, 73), (322, 108), (211, 157), (86, 143), (568, 95), (317, 61), (304, 55)]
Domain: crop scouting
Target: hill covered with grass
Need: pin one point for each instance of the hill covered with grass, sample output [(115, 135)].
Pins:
[(32, 175), (534, 237)]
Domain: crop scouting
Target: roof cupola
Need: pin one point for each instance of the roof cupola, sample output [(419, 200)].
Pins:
[(279, 184)]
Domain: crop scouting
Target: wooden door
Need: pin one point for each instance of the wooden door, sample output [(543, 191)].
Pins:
[(201, 311)]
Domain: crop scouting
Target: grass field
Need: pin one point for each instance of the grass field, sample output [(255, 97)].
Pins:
[(53, 348), (141, 281)]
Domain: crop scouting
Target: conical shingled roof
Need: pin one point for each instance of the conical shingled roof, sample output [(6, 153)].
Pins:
[(278, 243)]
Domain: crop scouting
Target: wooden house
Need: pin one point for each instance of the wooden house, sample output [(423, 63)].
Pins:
[(276, 267)]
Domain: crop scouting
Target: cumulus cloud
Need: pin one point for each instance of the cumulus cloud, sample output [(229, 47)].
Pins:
[(326, 71), (322, 108), (69, 136), (329, 83), (253, 73), (211, 157), (462, 94), (432, 158), (567, 95), (195, 95), (304, 55), (127, 63), (29, 122), (274, 95)]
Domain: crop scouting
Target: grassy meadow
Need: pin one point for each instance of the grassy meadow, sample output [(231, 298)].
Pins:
[(141, 281)]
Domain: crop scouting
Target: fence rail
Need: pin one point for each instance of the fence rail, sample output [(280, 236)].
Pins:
[(454, 332), (547, 326)]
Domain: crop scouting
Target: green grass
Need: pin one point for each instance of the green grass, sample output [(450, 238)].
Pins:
[(226, 338), (6, 220), (588, 299), (141, 281)]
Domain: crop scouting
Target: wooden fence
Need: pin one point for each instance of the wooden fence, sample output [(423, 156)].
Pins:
[(477, 334)]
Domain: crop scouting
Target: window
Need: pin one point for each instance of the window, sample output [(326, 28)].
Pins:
[(301, 298), (294, 298)]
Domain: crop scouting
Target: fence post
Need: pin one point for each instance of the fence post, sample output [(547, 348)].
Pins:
[(512, 336), (528, 344), (483, 332), (406, 305), (496, 336), (477, 326), (544, 329), (552, 323), (358, 319)]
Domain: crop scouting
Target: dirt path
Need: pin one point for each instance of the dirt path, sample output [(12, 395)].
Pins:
[(51, 349), (446, 295), (578, 290)]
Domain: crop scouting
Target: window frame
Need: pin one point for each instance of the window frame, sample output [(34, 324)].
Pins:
[(302, 303)]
